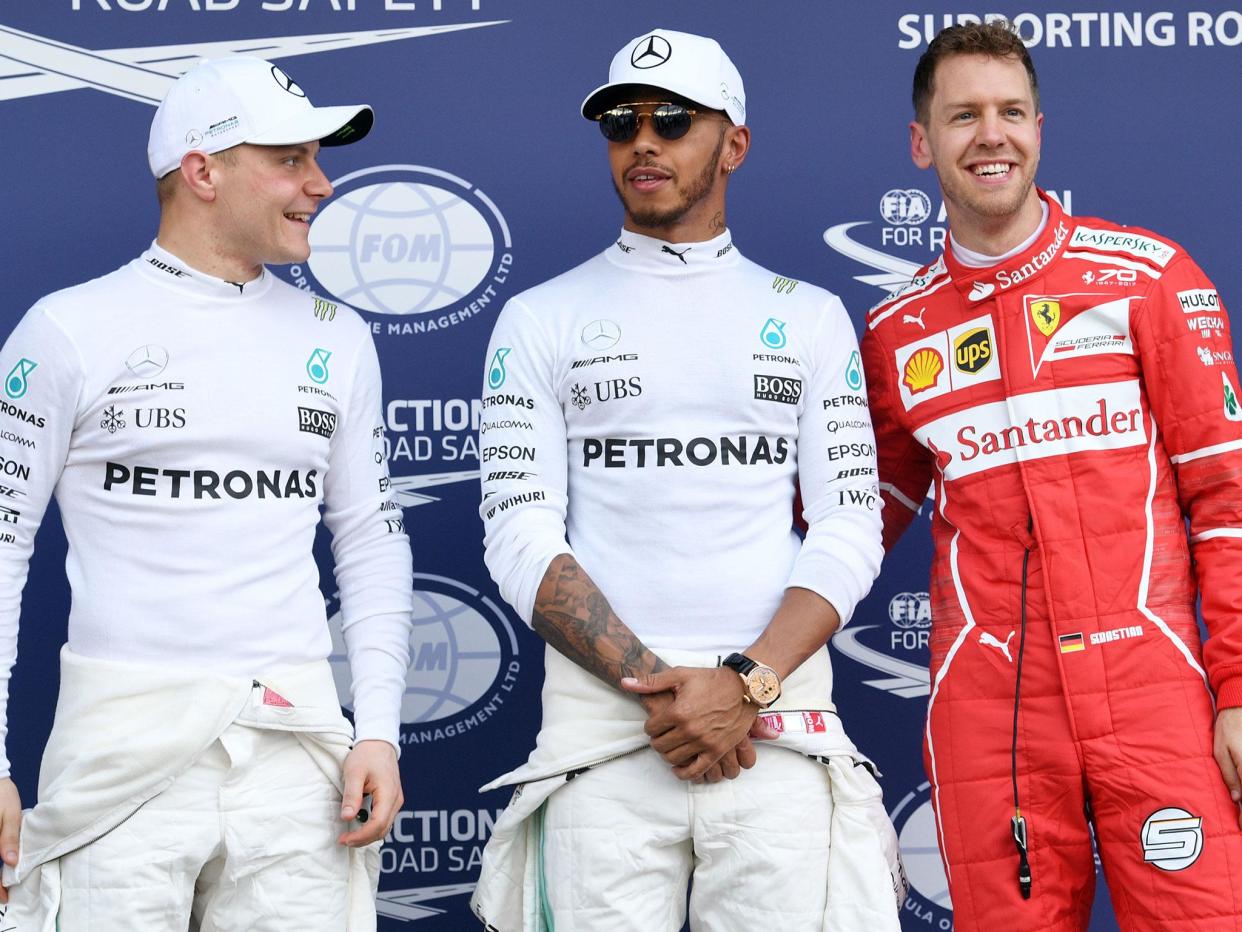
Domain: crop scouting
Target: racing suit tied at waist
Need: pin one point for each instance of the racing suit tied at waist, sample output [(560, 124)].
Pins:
[(587, 722), (111, 750)]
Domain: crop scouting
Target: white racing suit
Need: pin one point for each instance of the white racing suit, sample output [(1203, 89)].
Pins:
[(587, 723), (123, 735)]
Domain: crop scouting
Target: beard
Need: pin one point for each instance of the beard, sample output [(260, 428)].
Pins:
[(995, 206), (698, 188)]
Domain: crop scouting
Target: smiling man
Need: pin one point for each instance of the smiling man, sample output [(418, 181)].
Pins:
[(1067, 386), (646, 417), (192, 413)]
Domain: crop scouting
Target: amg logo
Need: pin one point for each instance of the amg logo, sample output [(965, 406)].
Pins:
[(147, 387), (314, 421), (623, 357), (778, 388)]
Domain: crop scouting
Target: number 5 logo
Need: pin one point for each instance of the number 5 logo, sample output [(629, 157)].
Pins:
[(1172, 839)]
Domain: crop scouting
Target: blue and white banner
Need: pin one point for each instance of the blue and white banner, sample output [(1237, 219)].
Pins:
[(481, 179)]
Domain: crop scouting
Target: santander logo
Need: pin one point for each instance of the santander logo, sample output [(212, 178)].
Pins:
[(1036, 425)]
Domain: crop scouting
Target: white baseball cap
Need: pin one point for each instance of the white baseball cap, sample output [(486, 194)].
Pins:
[(689, 66), (222, 102)]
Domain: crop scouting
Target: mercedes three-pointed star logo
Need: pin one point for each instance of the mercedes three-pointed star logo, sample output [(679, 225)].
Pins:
[(651, 52), (147, 360), (287, 83), (601, 334)]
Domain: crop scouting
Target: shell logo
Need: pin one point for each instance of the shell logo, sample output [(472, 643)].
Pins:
[(922, 370)]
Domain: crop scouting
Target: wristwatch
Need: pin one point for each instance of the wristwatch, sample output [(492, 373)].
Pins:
[(763, 686)]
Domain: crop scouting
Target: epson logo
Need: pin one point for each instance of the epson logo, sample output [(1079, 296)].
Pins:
[(842, 450), (597, 360), (526, 454), (314, 421), (207, 483), (778, 388)]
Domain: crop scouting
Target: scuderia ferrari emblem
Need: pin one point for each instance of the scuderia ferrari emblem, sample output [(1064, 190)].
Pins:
[(1047, 314)]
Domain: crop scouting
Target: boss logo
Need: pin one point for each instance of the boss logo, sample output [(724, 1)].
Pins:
[(314, 421), (778, 388)]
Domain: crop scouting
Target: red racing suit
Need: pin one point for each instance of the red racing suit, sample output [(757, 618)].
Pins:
[(1073, 406)]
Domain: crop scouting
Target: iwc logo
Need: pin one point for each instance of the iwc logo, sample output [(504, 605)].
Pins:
[(463, 660), (412, 243)]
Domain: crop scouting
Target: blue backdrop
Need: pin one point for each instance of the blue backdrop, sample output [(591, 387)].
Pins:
[(502, 185)]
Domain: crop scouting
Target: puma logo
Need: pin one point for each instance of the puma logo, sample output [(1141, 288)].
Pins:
[(988, 640), (912, 319)]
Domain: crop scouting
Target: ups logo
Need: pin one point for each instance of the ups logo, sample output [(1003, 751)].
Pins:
[(972, 351)]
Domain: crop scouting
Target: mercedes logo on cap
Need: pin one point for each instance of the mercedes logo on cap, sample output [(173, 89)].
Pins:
[(287, 83), (147, 360), (193, 139), (601, 334), (651, 52)]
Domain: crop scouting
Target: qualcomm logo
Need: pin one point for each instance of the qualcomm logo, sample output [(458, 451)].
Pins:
[(910, 226), (33, 65), (463, 660), (910, 614), (410, 241)]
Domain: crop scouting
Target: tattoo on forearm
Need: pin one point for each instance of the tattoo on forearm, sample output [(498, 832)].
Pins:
[(573, 616)]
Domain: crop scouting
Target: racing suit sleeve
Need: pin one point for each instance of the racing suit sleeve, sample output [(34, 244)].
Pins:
[(904, 464), (841, 553), (1181, 332), (524, 458), (372, 556), (43, 379)]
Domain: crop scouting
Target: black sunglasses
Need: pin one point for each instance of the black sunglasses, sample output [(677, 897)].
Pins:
[(669, 120)]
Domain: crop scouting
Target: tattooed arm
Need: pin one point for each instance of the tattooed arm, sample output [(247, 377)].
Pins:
[(573, 616)]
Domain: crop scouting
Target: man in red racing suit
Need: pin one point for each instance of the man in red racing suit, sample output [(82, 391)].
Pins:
[(1073, 402)]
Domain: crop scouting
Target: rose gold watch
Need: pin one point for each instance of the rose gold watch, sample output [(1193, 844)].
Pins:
[(762, 685)]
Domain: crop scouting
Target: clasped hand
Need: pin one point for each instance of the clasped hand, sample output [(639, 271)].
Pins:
[(698, 721)]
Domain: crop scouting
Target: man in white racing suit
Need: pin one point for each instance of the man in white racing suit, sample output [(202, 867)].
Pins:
[(191, 413), (646, 416)]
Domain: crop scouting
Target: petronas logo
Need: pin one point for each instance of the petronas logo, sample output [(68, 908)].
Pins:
[(496, 368), (773, 334), (15, 382), (317, 365)]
